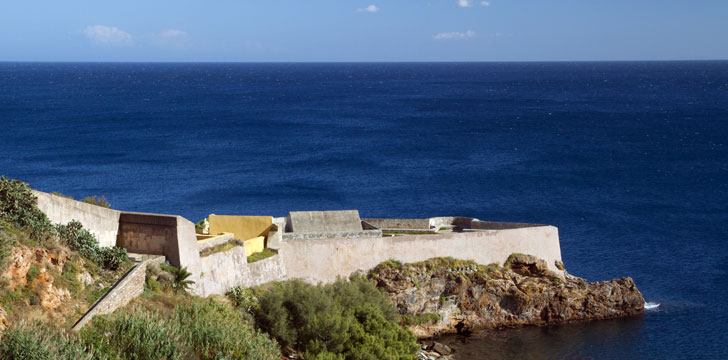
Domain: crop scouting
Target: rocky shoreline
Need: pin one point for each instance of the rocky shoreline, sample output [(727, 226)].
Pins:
[(448, 296)]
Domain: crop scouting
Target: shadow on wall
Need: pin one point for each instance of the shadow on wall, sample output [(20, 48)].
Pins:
[(150, 234)]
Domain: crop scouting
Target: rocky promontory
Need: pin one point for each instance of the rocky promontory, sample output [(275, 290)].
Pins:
[(444, 295)]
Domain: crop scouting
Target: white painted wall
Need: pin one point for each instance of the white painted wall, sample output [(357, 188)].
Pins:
[(100, 221)]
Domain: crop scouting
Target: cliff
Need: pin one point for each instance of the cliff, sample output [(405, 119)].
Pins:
[(444, 295)]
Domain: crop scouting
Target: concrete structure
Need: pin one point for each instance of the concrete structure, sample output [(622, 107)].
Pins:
[(316, 246), (254, 245), (206, 241), (323, 221), (224, 270), (125, 290), (100, 221), (322, 260), (244, 227)]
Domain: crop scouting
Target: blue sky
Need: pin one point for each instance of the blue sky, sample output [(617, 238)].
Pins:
[(369, 30)]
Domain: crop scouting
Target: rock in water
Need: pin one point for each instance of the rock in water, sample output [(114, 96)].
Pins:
[(467, 296)]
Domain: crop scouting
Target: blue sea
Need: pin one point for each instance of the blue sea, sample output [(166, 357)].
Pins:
[(628, 159)]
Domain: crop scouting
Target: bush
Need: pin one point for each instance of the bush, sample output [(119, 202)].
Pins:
[(196, 329), (97, 200), (18, 206), (113, 257), (215, 331), (181, 282), (40, 342), (143, 335), (243, 298), (79, 239), (350, 318)]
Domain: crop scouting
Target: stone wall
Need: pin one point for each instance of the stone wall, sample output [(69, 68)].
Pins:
[(266, 270), (213, 240), (492, 225), (323, 221), (224, 270), (125, 290), (147, 234), (100, 221), (333, 235), (305, 258), (399, 223)]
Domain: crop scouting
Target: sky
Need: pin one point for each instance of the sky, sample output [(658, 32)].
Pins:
[(367, 30)]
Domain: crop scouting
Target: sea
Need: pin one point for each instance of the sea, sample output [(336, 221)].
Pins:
[(628, 159)]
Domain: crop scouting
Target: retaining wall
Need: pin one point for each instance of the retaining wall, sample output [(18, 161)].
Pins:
[(100, 221), (224, 270), (363, 234), (398, 223), (213, 240), (125, 290), (493, 225), (304, 258)]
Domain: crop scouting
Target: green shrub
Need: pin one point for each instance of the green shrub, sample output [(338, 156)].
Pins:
[(181, 282), (97, 200), (11, 299), (350, 318), (243, 298), (79, 239), (41, 342), (6, 243), (152, 284), (113, 257), (33, 273), (68, 278), (18, 206), (216, 331), (141, 336)]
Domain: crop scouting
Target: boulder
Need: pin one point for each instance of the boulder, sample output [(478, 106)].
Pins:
[(527, 265)]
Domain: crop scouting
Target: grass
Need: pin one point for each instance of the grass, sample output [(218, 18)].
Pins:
[(33, 273), (266, 253), (220, 247)]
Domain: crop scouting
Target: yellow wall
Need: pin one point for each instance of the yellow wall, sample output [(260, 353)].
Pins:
[(244, 227), (254, 245)]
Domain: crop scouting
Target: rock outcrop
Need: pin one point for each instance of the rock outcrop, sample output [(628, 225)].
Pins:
[(466, 296)]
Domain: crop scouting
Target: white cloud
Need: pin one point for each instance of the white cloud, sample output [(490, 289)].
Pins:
[(108, 35), (370, 8), (172, 33), (454, 35), (485, 3), (465, 3)]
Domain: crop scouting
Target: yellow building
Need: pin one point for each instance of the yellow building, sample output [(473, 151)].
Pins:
[(252, 230)]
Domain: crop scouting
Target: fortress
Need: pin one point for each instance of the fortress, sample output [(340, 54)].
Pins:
[(316, 246)]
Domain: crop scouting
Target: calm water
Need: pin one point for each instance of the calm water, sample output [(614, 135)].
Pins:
[(629, 160)]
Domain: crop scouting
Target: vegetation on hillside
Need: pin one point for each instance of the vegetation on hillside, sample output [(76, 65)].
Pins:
[(163, 326), (349, 319), (344, 320), (58, 270)]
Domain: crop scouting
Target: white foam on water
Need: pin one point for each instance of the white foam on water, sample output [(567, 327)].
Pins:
[(651, 305)]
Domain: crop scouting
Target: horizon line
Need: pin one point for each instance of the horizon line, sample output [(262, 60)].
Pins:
[(351, 62)]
